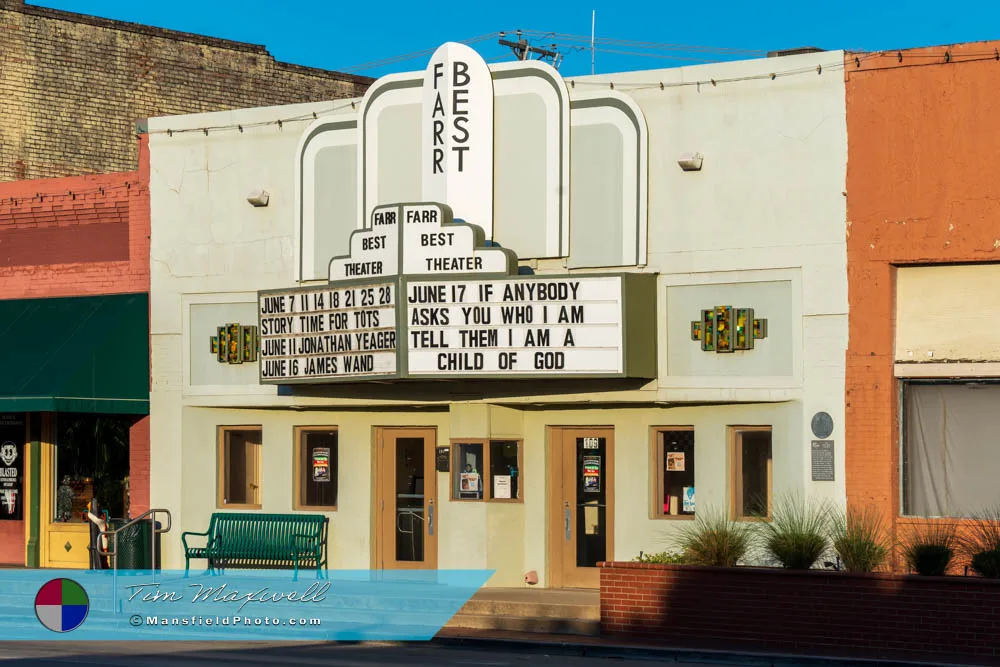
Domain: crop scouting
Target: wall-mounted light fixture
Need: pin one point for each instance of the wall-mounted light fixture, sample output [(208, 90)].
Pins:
[(727, 329), (258, 198), (235, 344), (691, 161)]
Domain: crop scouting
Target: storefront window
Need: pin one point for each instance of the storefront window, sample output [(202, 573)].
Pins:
[(240, 467), (752, 472), (950, 467), (91, 461), (675, 492), (467, 473), (316, 469)]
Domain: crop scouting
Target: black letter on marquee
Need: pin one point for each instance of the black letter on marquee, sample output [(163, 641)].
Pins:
[(460, 150), (438, 106), (438, 129), (461, 128), (437, 73), (438, 157), (460, 70)]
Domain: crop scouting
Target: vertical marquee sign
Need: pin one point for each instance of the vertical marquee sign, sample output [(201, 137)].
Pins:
[(423, 297), (458, 134)]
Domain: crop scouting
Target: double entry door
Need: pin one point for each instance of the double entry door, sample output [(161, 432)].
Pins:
[(405, 497), (581, 505)]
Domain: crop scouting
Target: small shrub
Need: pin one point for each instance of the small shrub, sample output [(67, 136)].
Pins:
[(661, 558), (859, 538), (796, 534), (980, 543), (987, 564), (714, 539), (929, 549)]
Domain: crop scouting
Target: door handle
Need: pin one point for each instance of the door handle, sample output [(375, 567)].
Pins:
[(569, 530), (430, 517)]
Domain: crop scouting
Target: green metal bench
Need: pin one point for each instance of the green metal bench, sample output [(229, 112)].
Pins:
[(264, 541)]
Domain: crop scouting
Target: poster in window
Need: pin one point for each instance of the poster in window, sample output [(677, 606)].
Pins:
[(469, 481), (11, 467), (688, 499), (591, 474), (501, 486), (321, 464), (675, 461)]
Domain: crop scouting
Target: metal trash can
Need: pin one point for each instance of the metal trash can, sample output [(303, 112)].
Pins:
[(136, 545)]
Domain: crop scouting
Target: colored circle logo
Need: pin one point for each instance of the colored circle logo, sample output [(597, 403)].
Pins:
[(61, 605)]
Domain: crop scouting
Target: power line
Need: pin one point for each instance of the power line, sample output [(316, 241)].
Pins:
[(391, 60), (928, 59)]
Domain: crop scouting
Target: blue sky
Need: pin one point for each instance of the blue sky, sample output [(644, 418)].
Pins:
[(342, 35)]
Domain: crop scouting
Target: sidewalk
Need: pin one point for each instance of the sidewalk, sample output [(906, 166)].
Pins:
[(596, 647)]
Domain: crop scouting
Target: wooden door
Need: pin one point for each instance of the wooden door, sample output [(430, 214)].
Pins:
[(581, 516), (405, 497)]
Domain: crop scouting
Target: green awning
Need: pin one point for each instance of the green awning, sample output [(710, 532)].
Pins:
[(75, 354)]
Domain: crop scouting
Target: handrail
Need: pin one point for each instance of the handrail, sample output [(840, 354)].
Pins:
[(113, 553), (132, 522)]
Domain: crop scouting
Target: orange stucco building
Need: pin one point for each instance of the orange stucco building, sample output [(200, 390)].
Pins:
[(923, 227)]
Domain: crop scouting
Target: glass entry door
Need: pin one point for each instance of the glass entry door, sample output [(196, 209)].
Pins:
[(406, 516), (582, 505)]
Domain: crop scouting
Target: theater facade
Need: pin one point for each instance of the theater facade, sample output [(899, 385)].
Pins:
[(490, 317)]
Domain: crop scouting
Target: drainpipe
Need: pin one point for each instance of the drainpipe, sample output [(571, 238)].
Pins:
[(35, 483)]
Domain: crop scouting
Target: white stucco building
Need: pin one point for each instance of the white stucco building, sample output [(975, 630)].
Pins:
[(548, 469)]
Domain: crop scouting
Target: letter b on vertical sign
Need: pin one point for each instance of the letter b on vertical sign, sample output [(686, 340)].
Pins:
[(458, 134)]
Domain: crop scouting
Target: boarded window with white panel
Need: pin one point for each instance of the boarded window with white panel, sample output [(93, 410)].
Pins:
[(608, 188), (391, 143), (399, 150), (521, 179), (328, 195), (531, 160)]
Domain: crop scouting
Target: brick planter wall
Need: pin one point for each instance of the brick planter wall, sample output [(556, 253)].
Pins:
[(817, 612)]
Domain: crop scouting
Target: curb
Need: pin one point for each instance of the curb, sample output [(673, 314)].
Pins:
[(622, 652)]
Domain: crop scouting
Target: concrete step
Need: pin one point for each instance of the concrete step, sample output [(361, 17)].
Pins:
[(550, 626), (546, 611), (537, 610)]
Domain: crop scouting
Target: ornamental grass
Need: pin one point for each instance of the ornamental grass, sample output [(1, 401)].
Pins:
[(980, 543), (714, 539), (928, 549), (859, 538), (796, 535)]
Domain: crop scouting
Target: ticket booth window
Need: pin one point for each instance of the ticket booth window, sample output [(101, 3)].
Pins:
[(487, 470), (91, 461)]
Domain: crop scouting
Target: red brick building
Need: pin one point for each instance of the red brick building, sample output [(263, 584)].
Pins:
[(74, 283), (922, 402)]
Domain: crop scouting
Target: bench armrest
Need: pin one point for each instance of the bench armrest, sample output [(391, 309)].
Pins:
[(188, 532)]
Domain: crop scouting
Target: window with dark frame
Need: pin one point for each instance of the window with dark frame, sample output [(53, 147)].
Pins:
[(486, 470), (468, 468), (675, 460), (317, 469), (240, 461), (505, 469), (752, 454)]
